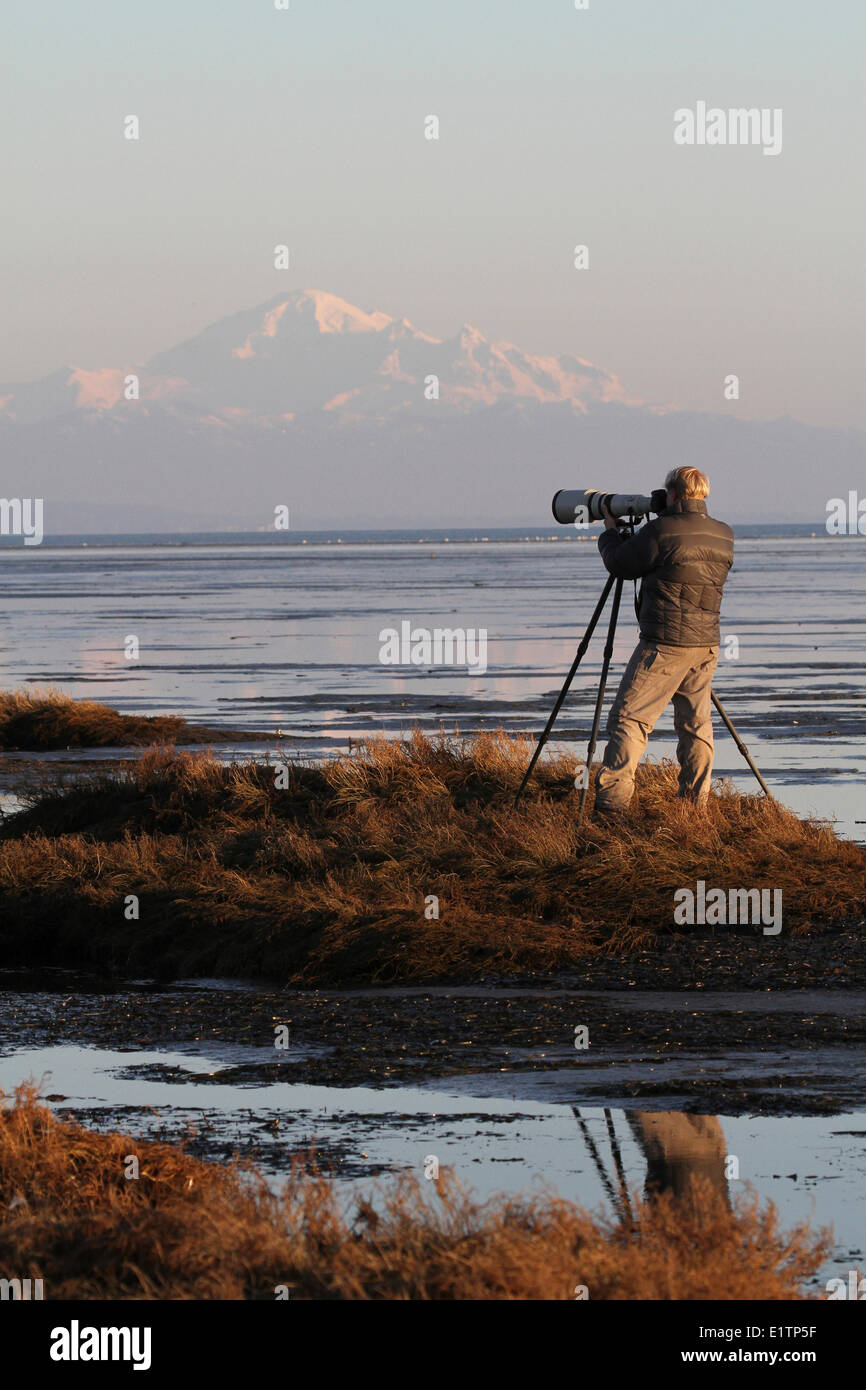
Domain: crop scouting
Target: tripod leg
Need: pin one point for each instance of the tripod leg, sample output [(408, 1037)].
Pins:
[(617, 1158), (596, 1158), (739, 742), (564, 691), (605, 667)]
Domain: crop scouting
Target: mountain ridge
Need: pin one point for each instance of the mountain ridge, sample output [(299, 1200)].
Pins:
[(310, 402), (310, 350)]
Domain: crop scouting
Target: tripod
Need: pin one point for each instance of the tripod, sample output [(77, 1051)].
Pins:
[(605, 667)]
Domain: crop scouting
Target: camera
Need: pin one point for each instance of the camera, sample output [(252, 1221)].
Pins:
[(586, 506)]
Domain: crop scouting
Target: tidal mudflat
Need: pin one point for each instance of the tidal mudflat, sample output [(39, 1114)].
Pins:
[(258, 637)]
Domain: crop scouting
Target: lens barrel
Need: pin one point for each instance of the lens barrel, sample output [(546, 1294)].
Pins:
[(580, 507)]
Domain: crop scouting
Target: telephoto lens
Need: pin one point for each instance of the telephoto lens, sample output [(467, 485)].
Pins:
[(582, 506)]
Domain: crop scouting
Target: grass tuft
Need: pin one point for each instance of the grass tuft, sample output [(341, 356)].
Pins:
[(42, 720), (320, 875)]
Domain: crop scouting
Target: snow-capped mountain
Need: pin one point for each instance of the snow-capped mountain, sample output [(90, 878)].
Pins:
[(311, 351), (311, 402)]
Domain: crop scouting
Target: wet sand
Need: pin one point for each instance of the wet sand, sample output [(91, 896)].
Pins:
[(256, 637), (735, 1050)]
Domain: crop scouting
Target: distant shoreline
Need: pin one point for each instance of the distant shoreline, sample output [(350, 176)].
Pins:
[(460, 535)]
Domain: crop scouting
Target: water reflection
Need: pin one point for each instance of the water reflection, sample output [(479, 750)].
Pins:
[(683, 1153), (681, 1150)]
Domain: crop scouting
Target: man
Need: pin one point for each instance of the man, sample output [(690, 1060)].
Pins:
[(683, 558)]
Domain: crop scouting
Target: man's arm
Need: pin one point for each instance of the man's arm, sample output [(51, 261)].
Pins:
[(629, 557)]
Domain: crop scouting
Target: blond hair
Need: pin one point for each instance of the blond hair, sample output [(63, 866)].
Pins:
[(688, 483)]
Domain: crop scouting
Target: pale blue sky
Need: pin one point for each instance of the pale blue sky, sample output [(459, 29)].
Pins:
[(260, 126)]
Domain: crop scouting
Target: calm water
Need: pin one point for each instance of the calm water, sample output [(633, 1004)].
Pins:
[(272, 634)]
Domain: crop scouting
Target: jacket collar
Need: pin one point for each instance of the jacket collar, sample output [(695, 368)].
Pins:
[(687, 504)]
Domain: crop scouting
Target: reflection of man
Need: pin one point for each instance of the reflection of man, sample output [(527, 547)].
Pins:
[(678, 1149), (683, 557)]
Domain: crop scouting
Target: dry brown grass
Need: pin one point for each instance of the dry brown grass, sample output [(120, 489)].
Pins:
[(325, 881), (189, 1230), (40, 720)]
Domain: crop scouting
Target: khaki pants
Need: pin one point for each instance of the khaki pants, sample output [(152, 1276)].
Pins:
[(655, 675)]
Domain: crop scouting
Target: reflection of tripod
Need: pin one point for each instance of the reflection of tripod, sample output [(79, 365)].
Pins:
[(605, 667)]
